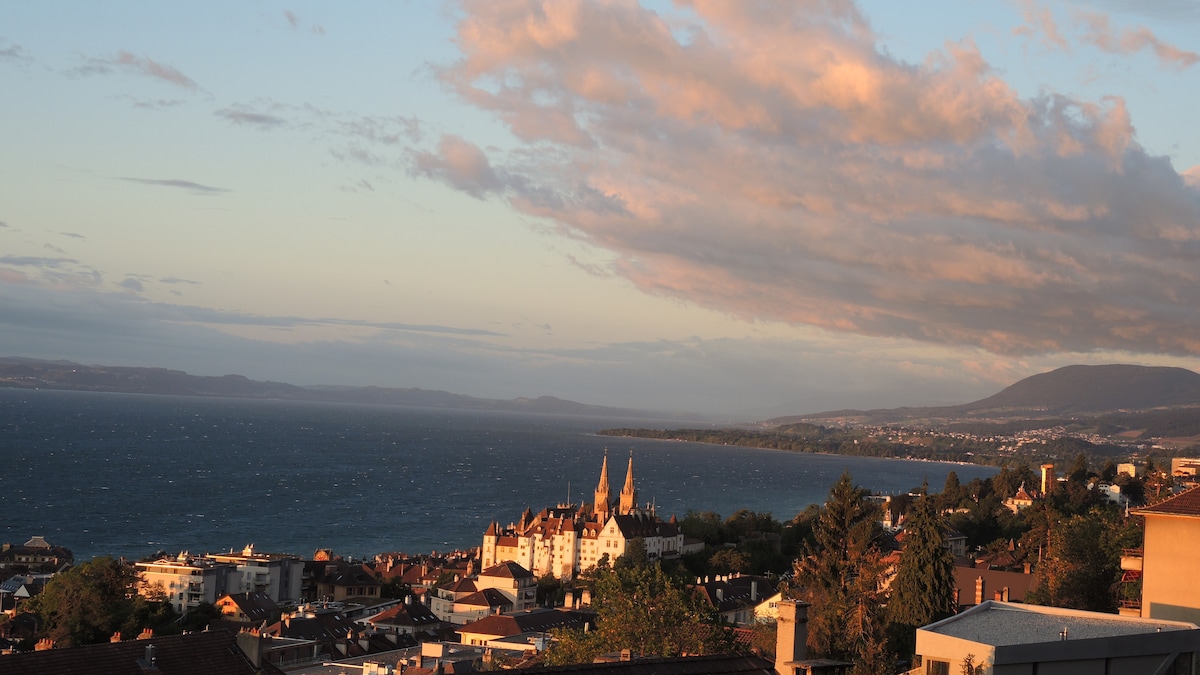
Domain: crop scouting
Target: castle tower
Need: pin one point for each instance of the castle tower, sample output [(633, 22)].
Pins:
[(601, 506), (628, 494)]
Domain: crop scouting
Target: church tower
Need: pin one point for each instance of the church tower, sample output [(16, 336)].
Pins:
[(601, 505), (628, 494)]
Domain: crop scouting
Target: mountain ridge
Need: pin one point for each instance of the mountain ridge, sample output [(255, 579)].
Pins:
[(26, 373), (1065, 391)]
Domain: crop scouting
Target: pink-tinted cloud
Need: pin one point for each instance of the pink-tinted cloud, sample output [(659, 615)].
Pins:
[(1039, 21), (138, 65), (1100, 33), (770, 160)]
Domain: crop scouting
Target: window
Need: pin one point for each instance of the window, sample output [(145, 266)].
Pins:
[(938, 668)]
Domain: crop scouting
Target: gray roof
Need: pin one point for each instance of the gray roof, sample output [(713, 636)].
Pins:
[(999, 624)]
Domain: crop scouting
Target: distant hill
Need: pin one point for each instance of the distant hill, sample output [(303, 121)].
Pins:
[(1067, 391), (65, 375), (1093, 389)]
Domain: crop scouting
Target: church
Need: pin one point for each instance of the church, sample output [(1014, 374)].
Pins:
[(568, 539)]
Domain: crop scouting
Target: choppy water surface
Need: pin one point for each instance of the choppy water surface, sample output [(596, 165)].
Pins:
[(118, 474)]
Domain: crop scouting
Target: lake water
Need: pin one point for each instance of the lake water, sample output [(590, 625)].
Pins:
[(123, 474)]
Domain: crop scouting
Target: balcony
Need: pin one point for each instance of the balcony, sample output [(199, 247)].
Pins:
[(1131, 559), (1130, 608)]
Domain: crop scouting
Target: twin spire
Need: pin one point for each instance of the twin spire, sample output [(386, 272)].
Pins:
[(602, 503)]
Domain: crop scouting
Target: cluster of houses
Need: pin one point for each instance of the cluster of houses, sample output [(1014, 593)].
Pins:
[(479, 609)]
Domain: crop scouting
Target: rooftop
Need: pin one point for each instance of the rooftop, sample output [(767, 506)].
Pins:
[(1000, 623), (1186, 503)]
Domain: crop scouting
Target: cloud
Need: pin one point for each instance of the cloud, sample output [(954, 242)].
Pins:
[(292, 19), (132, 284), (772, 161), (13, 53), (137, 65), (1039, 20), (34, 261), (177, 280), (1132, 40), (176, 183), (252, 119), (459, 163)]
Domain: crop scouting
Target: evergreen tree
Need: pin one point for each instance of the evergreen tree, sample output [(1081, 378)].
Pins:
[(923, 590), (839, 575)]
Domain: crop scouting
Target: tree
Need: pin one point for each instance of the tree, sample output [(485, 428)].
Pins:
[(1082, 567), (643, 610), (729, 560), (550, 591), (923, 590), (839, 575), (88, 603)]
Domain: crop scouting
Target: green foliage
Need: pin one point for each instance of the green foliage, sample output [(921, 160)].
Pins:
[(839, 575), (550, 591), (394, 589), (728, 560), (1082, 565), (923, 590), (88, 603), (646, 611)]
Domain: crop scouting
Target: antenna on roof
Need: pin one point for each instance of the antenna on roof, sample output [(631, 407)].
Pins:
[(568, 493)]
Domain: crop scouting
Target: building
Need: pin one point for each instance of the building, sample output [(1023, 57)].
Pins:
[(187, 581), (248, 607), (275, 574), (184, 581), (1010, 639), (568, 539), (207, 653), (37, 554), (532, 623), (514, 581), (739, 599), (1168, 560)]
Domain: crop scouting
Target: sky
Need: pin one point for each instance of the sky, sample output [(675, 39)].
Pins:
[(735, 208)]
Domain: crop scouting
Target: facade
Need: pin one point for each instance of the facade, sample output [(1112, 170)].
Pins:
[(1010, 639), (189, 581), (514, 581), (1168, 560), (568, 539), (184, 581), (276, 575)]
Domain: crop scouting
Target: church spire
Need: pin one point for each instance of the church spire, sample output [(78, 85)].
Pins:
[(603, 494), (628, 494)]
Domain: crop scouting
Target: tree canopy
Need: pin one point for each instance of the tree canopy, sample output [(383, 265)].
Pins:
[(644, 610)]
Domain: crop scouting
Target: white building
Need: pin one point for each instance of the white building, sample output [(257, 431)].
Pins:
[(567, 539)]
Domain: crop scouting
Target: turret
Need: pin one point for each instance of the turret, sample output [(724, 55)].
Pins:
[(601, 504), (628, 494)]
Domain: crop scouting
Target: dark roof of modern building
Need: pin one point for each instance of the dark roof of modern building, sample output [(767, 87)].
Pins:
[(510, 570), (488, 597), (208, 653), (256, 606), (540, 619), (717, 664), (734, 593), (1186, 503), (406, 614)]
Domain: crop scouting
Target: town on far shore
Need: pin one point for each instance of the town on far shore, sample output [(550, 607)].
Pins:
[(535, 581)]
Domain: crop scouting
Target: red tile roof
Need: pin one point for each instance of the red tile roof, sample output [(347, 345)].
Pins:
[(1186, 503)]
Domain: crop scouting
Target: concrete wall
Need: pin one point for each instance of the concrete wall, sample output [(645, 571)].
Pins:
[(1170, 583)]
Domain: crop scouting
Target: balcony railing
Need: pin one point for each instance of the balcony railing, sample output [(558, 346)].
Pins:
[(1131, 559)]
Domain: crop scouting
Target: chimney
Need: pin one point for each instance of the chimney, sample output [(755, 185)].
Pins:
[(116, 637), (146, 634), (720, 595), (251, 643), (43, 645), (791, 643), (151, 661), (979, 590), (626, 655), (1004, 594), (1027, 568), (754, 591)]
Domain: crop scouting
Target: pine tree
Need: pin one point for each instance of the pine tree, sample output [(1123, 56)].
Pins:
[(923, 590), (840, 574)]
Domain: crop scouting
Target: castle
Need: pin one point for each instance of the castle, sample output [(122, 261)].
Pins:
[(566, 540)]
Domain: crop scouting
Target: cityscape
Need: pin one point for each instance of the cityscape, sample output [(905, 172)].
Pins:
[(793, 337)]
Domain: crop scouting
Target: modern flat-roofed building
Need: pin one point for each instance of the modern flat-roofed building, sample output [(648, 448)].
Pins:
[(1012, 639)]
